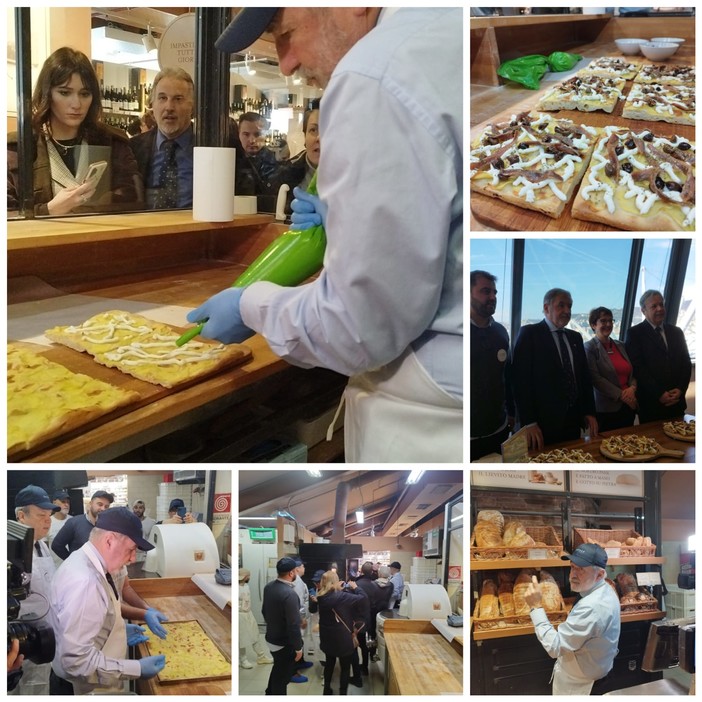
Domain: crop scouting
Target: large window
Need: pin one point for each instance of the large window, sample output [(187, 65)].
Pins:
[(653, 271), (495, 256)]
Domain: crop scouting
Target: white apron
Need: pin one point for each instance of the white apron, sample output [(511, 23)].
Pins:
[(115, 646), (568, 678), (248, 627), (398, 414)]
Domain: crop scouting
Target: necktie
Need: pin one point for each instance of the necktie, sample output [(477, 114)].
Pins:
[(659, 331), (38, 549), (571, 388), (112, 584), (167, 193)]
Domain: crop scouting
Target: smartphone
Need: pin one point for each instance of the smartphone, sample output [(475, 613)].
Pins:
[(182, 511), (95, 172)]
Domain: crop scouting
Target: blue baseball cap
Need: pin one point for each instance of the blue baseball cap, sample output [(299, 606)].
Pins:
[(588, 555), (34, 495), (61, 495), (124, 521), (245, 28), (175, 503), (285, 565)]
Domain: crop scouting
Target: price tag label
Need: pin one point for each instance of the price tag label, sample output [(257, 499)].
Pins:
[(648, 579), (613, 552), (538, 553)]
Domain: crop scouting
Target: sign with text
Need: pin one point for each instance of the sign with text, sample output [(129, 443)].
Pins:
[(648, 579), (516, 449), (177, 46), (608, 482), (550, 480)]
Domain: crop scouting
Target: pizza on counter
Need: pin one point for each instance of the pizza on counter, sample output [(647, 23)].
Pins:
[(46, 400), (144, 348), (586, 92), (534, 161), (612, 67), (639, 182), (661, 73), (658, 102)]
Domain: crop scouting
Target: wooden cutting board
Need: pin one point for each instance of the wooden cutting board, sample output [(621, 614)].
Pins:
[(84, 363), (504, 216), (642, 458)]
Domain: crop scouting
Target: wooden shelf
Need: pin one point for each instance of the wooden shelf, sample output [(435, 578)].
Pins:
[(526, 20), (558, 563)]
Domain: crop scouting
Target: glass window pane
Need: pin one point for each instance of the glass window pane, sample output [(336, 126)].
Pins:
[(593, 270), (495, 256), (654, 269), (688, 305)]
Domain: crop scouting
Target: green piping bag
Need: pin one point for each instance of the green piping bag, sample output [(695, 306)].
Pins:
[(293, 257)]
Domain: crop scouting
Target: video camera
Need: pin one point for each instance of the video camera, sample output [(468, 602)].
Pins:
[(37, 643)]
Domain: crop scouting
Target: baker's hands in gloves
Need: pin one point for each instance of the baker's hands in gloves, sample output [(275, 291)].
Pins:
[(308, 210), (151, 666), (224, 323), (136, 634), (153, 619)]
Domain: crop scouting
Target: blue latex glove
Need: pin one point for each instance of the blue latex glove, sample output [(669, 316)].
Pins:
[(136, 634), (151, 666), (222, 311), (308, 210), (153, 619)]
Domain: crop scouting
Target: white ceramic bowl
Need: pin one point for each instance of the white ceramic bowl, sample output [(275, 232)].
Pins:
[(668, 40), (658, 51), (629, 47)]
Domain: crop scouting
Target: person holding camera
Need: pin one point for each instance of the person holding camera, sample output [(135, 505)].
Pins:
[(33, 508), (178, 513)]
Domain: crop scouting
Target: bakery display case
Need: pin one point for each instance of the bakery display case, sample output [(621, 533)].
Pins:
[(519, 533)]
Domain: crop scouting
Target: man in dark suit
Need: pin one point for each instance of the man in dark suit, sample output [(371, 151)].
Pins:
[(661, 362), (164, 154), (551, 381)]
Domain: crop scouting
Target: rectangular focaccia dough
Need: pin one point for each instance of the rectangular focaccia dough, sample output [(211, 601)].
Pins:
[(46, 400), (522, 161), (584, 92), (145, 349), (662, 73), (628, 201), (613, 67), (659, 102), (190, 653)]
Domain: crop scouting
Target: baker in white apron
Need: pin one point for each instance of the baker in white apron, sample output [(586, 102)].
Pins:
[(249, 634), (33, 508), (91, 635), (586, 643)]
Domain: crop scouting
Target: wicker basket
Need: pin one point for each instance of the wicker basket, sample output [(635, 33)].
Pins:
[(580, 536), (542, 534), (516, 620)]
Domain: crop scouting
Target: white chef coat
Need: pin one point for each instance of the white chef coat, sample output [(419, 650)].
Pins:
[(56, 526), (91, 638)]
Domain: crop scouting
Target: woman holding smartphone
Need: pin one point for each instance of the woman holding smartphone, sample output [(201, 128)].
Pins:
[(69, 138)]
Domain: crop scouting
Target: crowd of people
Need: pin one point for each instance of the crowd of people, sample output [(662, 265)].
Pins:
[(151, 164), (342, 613), (555, 386), (80, 588)]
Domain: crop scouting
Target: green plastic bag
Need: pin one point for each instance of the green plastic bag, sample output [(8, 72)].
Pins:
[(527, 70)]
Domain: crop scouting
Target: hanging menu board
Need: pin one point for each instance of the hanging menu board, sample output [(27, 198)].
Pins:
[(627, 483), (549, 480)]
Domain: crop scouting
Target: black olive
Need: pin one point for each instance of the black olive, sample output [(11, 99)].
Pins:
[(627, 167), (619, 150), (684, 146), (523, 146), (547, 139), (630, 144), (497, 163), (648, 136), (503, 176), (660, 184), (513, 123), (513, 158), (672, 185), (609, 169)]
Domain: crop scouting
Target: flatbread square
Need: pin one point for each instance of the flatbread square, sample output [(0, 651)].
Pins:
[(660, 102), (534, 161), (639, 182), (586, 92), (613, 67), (663, 73)]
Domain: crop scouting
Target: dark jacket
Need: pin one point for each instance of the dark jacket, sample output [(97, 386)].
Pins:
[(540, 388), (604, 378), (658, 369), (72, 536), (378, 598), (281, 610), (335, 638), (119, 189), (291, 173)]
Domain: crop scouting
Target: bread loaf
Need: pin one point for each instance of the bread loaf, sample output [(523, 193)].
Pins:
[(551, 598), (504, 594), (613, 544), (492, 515), (626, 583), (521, 585), (487, 535), (511, 528), (505, 576), (521, 538), (489, 603), (647, 541)]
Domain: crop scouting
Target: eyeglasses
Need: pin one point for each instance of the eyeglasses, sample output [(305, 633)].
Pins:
[(606, 321)]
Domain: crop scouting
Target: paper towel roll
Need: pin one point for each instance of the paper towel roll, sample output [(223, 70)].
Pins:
[(213, 183)]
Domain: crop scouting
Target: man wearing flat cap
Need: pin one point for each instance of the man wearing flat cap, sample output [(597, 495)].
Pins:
[(387, 308), (585, 645), (91, 635), (33, 508), (281, 610)]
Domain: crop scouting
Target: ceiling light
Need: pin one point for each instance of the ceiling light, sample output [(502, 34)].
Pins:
[(314, 473), (415, 476), (249, 70), (359, 516), (148, 40)]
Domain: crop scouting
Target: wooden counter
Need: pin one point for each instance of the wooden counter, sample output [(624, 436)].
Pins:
[(420, 661), (181, 599)]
